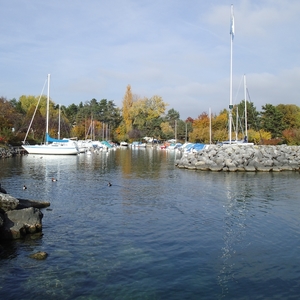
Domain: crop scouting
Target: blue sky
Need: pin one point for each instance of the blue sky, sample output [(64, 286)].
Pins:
[(177, 49)]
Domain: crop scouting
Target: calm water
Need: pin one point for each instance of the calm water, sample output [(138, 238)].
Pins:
[(157, 233)]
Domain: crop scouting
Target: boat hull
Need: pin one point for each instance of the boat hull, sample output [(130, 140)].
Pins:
[(51, 149)]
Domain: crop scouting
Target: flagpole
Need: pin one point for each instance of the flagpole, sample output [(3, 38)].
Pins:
[(230, 92), (246, 122)]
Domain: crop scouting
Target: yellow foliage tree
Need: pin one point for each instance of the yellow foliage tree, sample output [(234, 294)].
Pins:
[(219, 135), (79, 130), (138, 112), (256, 136), (220, 121), (155, 107), (120, 133), (200, 131), (166, 128), (126, 108)]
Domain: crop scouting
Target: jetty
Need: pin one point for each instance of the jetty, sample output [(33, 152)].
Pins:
[(242, 158)]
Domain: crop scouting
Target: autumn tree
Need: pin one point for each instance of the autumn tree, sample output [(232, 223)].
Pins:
[(126, 107), (290, 115), (9, 119), (201, 129), (167, 131), (291, 136)]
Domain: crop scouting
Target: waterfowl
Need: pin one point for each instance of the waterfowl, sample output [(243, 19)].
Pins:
[(24, 187), (109, 184), (54, 179), (2, 190)]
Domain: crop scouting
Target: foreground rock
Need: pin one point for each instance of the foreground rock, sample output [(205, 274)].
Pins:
[(19, 217), (234, 158), (39, 255)]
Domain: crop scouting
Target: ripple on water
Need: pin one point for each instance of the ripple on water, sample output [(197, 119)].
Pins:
[(157, 233)]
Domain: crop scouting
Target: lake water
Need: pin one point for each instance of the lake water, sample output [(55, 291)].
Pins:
[(158, 232)]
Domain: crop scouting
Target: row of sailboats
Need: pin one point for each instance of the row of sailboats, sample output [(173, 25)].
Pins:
[(66, 146)]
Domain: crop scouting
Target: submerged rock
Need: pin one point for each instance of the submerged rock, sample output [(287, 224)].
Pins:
[(39, 255)]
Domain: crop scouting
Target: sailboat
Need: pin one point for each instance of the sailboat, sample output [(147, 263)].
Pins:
[(51, 146)]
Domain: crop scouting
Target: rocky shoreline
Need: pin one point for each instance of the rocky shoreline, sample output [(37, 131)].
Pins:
[(244, 158), (19, 217), (6, 152)]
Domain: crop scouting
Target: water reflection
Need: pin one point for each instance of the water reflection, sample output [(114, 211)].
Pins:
[(156, 232), (250, 203)]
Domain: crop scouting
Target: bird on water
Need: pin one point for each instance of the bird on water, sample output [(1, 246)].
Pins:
[(109, 184), (24, 187)]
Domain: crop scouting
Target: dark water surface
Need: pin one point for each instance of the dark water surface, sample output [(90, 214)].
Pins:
[(157, 233)]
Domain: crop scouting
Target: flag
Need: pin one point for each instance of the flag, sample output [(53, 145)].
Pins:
[(232, 23)]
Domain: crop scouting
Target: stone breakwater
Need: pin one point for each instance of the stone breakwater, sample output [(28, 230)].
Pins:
[(243, 158), (10, 152)]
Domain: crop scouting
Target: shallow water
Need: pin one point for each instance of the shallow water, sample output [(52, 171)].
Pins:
[(157, 233)]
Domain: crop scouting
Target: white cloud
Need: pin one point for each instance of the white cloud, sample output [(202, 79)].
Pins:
[(176, 49)]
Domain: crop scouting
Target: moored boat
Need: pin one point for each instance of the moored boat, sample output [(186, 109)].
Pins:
[(51, 146), (124, 144)]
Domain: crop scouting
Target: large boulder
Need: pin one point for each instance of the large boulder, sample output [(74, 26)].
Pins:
[(8, 202), (18, 223), (19, 217)]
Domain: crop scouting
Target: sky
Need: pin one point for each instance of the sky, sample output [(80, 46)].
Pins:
[(176, 49)]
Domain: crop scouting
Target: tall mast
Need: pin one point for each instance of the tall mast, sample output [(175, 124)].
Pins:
[(58, 121), (246, 125), (230, 92), (237, 123), (210, 126), (47, 115)]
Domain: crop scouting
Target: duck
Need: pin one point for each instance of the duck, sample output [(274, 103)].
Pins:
[(53, 179), (109, 184), (24, 187), (2, 190)]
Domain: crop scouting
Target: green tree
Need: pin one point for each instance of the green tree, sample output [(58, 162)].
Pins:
[(272, 120), (71, 112), (253, 118)]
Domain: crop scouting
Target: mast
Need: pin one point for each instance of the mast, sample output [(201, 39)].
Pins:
[(47, 114), (210, 126), (58, 121), (237, 123), (175, 131), (246, 125), (230, 92)]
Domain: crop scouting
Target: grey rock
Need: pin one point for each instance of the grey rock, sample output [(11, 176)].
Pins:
[(18, 223), (248, 158), (8, 202)]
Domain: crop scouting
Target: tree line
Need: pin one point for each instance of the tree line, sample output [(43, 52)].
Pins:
[(140, 117)]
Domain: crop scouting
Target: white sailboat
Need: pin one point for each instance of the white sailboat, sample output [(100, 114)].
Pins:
[(51, 146)]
